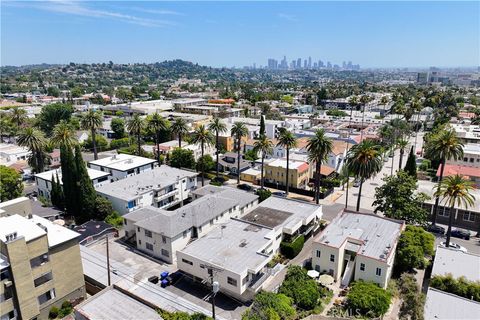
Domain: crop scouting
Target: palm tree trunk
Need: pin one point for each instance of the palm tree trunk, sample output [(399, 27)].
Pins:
[(346, 193), (359, 194), (317, 182), (94, 142), (263, 158), (401, 159), (449, 229), (216, 148), (202, 166), (437, 199), (286, 177), (179, 141), (138, 143), (157, 142), (238, 159), (393, 157)]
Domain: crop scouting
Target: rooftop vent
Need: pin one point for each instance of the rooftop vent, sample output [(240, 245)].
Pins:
[(11, 236)]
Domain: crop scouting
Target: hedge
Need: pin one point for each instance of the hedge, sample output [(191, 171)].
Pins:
[(292, 249), (460, 287)]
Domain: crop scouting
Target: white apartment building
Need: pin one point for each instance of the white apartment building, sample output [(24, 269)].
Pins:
[(356, 246), (467, 133), (11, 153), (43, 180), (271, 126), (120, 166), (161, 187), (471, 156)]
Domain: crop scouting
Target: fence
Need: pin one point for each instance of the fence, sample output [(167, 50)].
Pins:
[(304, 192)]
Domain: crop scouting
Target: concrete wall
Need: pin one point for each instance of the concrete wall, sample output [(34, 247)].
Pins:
[(370, 271), (20, 206)]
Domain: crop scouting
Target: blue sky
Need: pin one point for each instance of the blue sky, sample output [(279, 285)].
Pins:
[(373, 34)]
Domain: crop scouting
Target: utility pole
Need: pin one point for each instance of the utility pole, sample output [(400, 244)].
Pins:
[(108, 261)]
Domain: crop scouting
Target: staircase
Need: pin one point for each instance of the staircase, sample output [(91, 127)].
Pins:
[(347, 275)]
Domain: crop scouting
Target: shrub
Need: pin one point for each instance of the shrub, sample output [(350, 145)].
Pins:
[(301, 288), (292, 249), (114, 219), (263, 194), (119, 143), (412, 299), (414, 244), (461, 286), (53, 313), (272, 306), (101, 143), (368, 298), (216, 183)]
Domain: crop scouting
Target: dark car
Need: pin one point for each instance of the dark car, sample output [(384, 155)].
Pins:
[(457, 233), (436, 229), (279, 194), (245, 187), (173, 277)]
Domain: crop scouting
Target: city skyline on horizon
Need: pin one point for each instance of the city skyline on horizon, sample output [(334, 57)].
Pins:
[(372, 34)]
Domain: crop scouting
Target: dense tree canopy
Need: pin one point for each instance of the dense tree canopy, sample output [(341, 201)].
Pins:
[(11, 186)]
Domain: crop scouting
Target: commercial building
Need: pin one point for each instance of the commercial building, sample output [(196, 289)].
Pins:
[(120, 166), (356, 246), (161, 187), (299, 173), (40, 266)]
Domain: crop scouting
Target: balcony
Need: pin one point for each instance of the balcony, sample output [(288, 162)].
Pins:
[(257, 281), (166, 195)]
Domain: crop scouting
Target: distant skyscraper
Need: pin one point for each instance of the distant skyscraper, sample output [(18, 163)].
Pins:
[(329, 65), (320, 64), (315, 65), (272, 64), (305, 64), (299, 63), (309, 63), (344, 65)]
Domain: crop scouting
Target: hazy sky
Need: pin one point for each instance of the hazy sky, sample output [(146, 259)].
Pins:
[(373, 34)]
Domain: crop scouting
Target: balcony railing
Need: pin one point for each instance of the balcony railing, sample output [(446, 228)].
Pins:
[(257, 281)]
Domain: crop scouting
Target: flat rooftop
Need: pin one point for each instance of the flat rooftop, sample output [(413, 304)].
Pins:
[(282, 163), (122, 162), (234, 246), (267, 217), (134, 186), (447, 306), (92, 173), (429, 188), (457, 263), (242, 197), (376, 236)]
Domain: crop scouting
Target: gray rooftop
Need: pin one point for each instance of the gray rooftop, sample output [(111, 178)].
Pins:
[(377, 236), (234, 246), (442, 305), (243, 198), (429, 188), (267, 217), (133, 186), (457, 263), (111, 304)]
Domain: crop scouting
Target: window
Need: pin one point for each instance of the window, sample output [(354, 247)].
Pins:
[(139, 241), (444, 212), (164, 239), (187, 261), (9, 315), (43, 279), (362, 266), (165, 253), (232, 281), (469, 216), (332, 258), (318, 253), (6, 295), (148, 233), (378, 272), (149, 246), (47, 296), (245, 280), (39, 261), (4, 274), (278, 237), (138, 229)]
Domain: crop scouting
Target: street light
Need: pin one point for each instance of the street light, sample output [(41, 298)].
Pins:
[(215, 289)]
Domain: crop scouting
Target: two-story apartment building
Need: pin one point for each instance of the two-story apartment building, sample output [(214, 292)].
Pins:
[(120, 166), (228, 162), (299, 173), (40, 266), (357, 246), (162, 187), (471, 156)]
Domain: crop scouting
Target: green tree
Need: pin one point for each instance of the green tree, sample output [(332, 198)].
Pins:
[(288, 141), (401, 144), (34, 140), (238, 131), (100, 142), (119, 143), (205, 162), (414, 244), (92, 120), (53, 91), (118, 128), (397, 199), (443, 146), (263, 194), (271, 306), (103, 208), (69, 180), (182, 158), (364, 160), (265, 147), (456, 190), (124, 94), (262, 125), (411, 165), (218, 126), (413, 300), (135, 127), (180, 129), (157, 124), (318, 147), (11, 185), (368, 298), (77, 92), (18, 116), (202, 136), (84, 188), (300, 287), (63, 135), (52, 114)]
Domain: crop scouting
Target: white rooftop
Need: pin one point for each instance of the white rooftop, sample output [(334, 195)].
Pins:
[(122, 162), (441, 305), (10, 149), (282, 163), (457, 263), (471, 148), (92, 173)]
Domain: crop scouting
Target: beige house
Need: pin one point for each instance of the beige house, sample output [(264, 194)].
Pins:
[(299, 173)]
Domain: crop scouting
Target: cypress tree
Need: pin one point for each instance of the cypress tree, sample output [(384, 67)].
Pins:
[(60, 195), (69, 180), (411, 165), (262, 125), (54, 192), (85, 189)]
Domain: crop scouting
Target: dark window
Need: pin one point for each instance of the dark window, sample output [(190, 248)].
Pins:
[(148, 233), (378, 272), (232, 281), (318, 253), (4, 274), (39, 261), (165, 253), (43, 279), (47, 296), (187, 262), (332, 258), (362, 266)]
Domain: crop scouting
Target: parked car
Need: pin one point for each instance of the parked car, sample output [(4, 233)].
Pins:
[(462, 234), (279, 194), (173, 277), (245, 187), (454, 246), (436, 229)]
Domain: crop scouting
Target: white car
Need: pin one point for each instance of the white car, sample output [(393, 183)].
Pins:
[(453, 246)]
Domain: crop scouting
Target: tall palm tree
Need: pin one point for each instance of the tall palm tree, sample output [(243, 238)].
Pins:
[(265, 146), (34, 140), (287, 140), (135, 127), (218, 126), (401, 144), (238, 131), (204, 137), (63, 135), (364, 160), (363, 100), (318, 147), (157, 124), (92, 120), (443, 146), (455, 190), (180, 128), (18, 116)]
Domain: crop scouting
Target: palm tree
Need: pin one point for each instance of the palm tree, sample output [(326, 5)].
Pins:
[(443, 146), (204, 137), (287, 140), (63, 135), (364, 160), (218, 126), (456, 190), (135, 127), (318, 147), (180, 128), (265, 146), (157, 124), (238, 131), (401, 144), (18, 116), (34, 140), (92, 120)]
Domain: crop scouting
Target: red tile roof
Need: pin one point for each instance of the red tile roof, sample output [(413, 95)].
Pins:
[(453, 169)]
